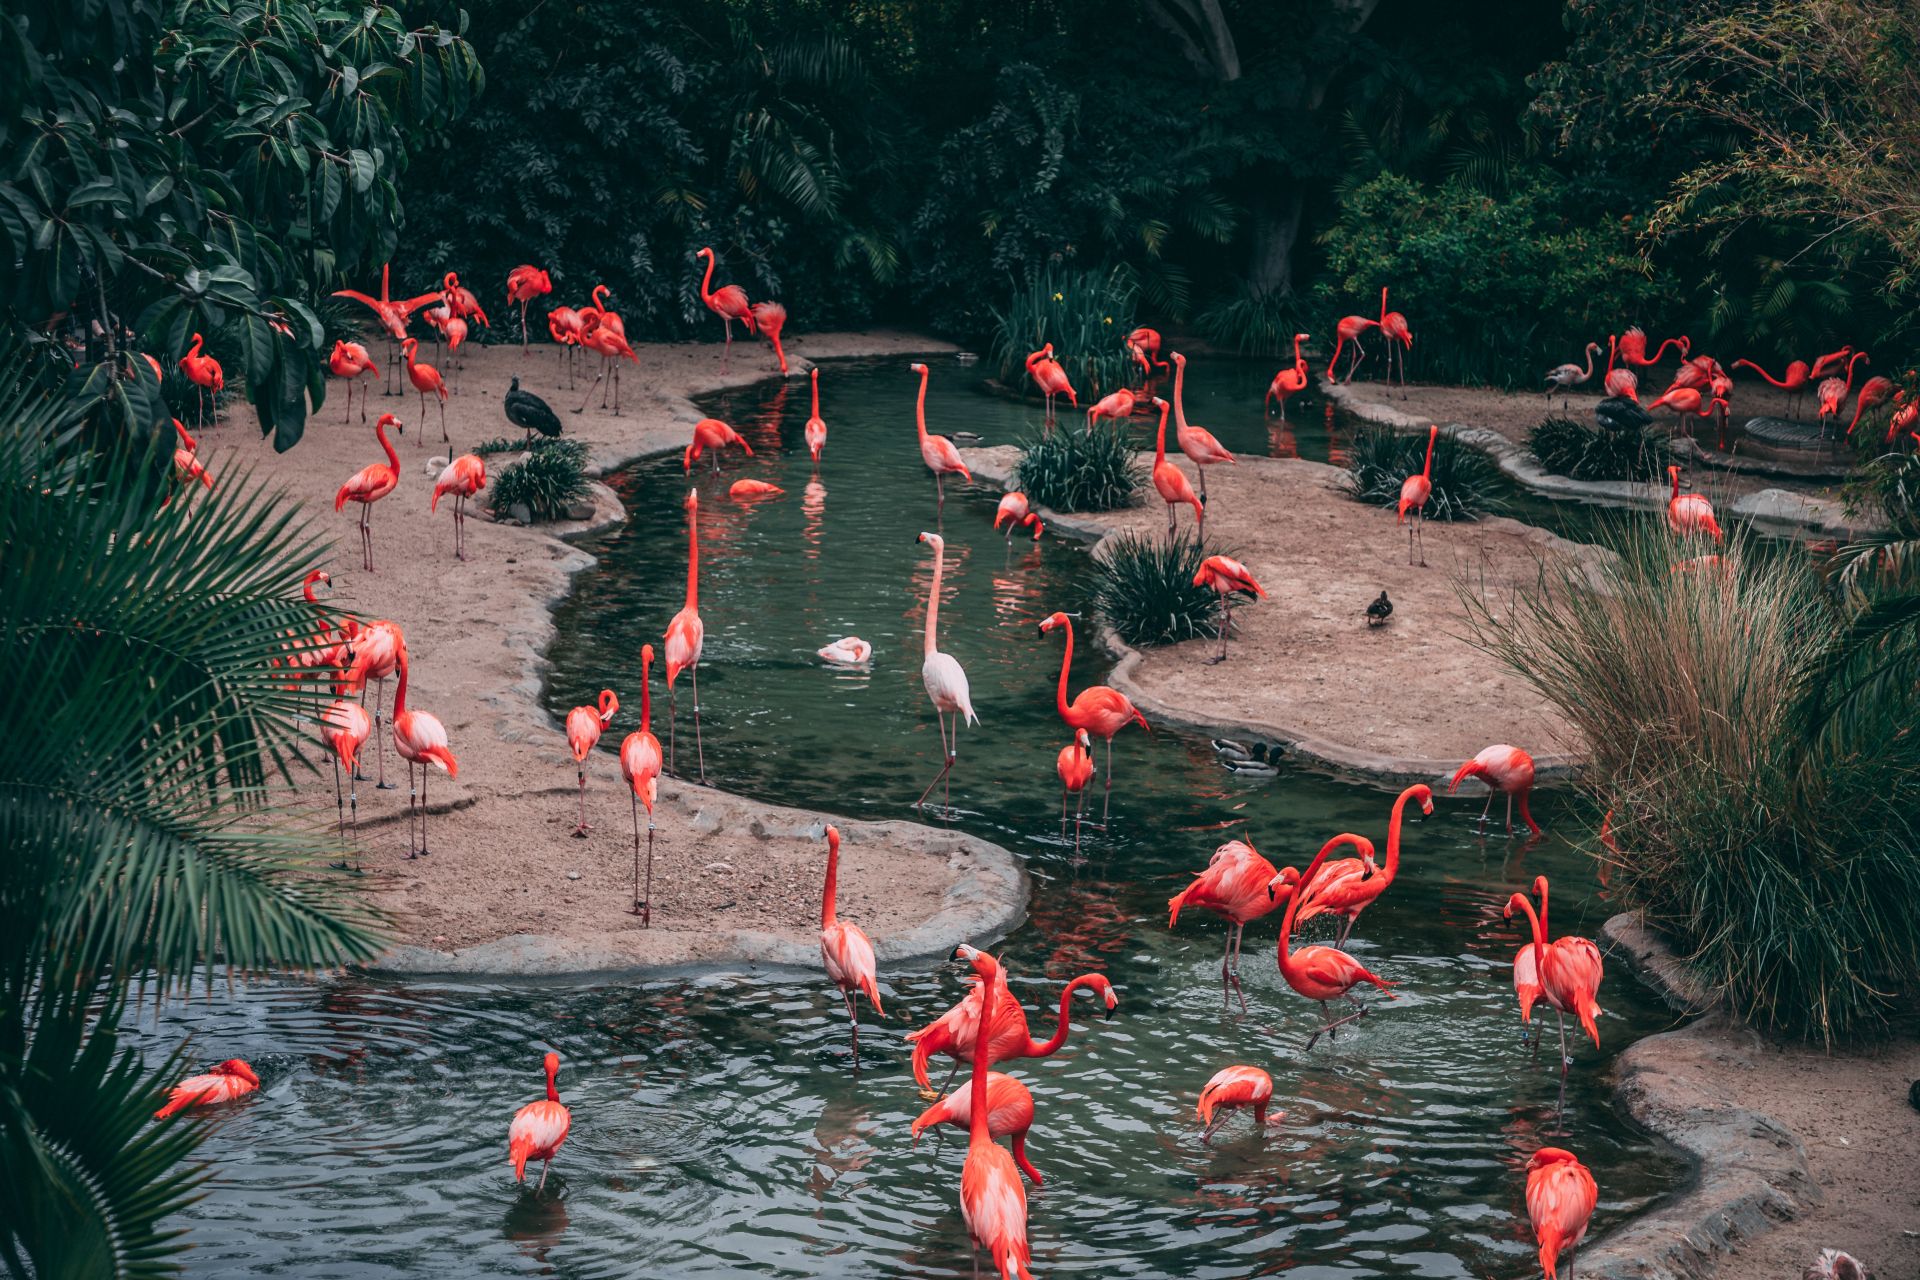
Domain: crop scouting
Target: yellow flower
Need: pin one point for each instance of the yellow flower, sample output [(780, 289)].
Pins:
[(1108, 320), (1059, 297)]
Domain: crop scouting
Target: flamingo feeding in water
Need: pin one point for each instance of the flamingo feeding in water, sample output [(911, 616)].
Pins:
[(1352, 890), (1100, 710), (1230, 1089), (953, 1032), (524, 284), (1226, 576), (463, 477), (1561, 1196), (844, 947), (1014, 510), (1414, 492), (1690, 513), (229, 1080), (584, 727), (538, 1129), (686, 635), (1197, 443), (939, 452), (204, 372), (943, 677), (992, 1200), (729, 302), (421, 740), (425, 378), (1508, 771), (349, 361), (711, 433), (1290, 381), (1170, 482), (1048, 374), (1009, 1114), (1074, 765), (640, 766), (816, 430), (370, 484), (1234, 886), (770, 318), (1144, 344), (1323, 973)]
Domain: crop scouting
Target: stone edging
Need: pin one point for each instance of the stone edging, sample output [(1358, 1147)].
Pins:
[(1749, 1170)]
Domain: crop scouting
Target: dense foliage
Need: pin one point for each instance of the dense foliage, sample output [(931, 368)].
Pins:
[(1069, 469), (551, 478), (1582, 451), (1085, 315), (1143, 589), (1466, 483), (1755, 755)]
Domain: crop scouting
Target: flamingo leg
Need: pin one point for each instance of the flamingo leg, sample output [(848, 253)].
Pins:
[(1331, 1030), (1566, 1060), (939, 492), (616, 388), (605, 368), (700, 750), (672, 720), (727, 352), (853, 1018), (545, 1166), (424, 851), (380, 748), (412, 851), (580, 829), (1509, 811), (1239, 934), (634, 801), (1485, 810), (1106, 804), (946, 759), (589, 395), (646, 901), (1226, 600), (1420, 531), (1226, 966), (444, 438)]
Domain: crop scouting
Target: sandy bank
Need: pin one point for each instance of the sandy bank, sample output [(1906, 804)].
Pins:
[(506, 889), (1409, 700)]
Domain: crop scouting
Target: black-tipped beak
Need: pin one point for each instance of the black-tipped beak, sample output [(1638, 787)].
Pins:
[(956, 952)]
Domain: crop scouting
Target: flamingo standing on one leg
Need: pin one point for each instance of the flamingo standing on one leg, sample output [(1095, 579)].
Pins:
[(524, 284), (1170, 482), (231, 1079), (1075, 767), (1347, 895), (1226, 576), (1234, 885), (425, 378), (1561, 1196), (349, 361), (1100, 710), (1508, 771), (992, 1200), (584, 727), (1290, 381), (370, 484), (816, 430), (538, 1129), (564, 327), (1009, 1113), (1231, 1088), (1196, 442), (942, 675), (686, 635), (939, 452), (1875, 391), (1414, 492), (463, 477), (729, 302), (421, 740), (204, 372), (1690, 513), (1048, 374), (640, 766), (845, 949), (344, 727), (1323, 973)]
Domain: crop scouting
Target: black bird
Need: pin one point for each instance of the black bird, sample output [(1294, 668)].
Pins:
[(530, 413), (1379, 611), (1619, 413)]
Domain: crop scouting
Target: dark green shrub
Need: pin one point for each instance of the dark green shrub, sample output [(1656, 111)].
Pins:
[(1143, 589), (1070, 470), (1086, 315), (1256, 324), (1581, 451), (1466, 483), (552, 479)]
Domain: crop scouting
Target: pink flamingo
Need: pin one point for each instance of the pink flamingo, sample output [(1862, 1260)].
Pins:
[(1414, 492), (954, 1032), (992, 1201), (1100, 710), (187, 467), (584, 727), (1234, 886), (349, 361), (1690, 513), (1561, 1196), (1074, 765), (1013, 511), (1009, 1113), (1051, 378), (816, 430), (1117, 407), (463, 477), (1393, 327), (204, 372), (640, 766), (1290, 381), (729, 302), (524, 284), (770, 318), (1875, 391), (1323, 973), (1231, 1088), (370, 484), (939, 452), (1633, 348), (1833, 392), (611, 346), (564, 326), (375, 650), (686, 636), (711, 433), (1826, 364), (1349, 330), (1507, 771), (229, 1080), (1793, 379), (1621, 382), (1226, 576), (747, 490), (1144, 343), (943, 678), (538, 1129), (1346, 892), (421, 740), (425, 378), (1196, 442), (392, 315), (1569, 971), (344, 727), (844, 947), (1170, 482)]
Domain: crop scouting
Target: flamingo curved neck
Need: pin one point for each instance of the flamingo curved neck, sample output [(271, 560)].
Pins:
[(1392, 867), (1066, 1013), (1540, 887), (646, 694), (380, 433), (1179, 401), (706, 294), (933, 601), (1288, 968), (1539, 938), (553, 1094), (982, 1057), (920, 409), (1066, 657)]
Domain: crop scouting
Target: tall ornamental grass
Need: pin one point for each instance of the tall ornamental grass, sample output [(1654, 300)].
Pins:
[(1073, 470), (1086, 315), (1761, 821), (1143, 589)]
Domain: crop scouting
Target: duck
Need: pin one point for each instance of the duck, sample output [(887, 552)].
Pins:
[(1379, 611), (530, 413)]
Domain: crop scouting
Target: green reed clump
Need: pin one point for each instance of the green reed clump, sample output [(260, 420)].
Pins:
[(552, 478), (1581, 451), (1086, 315), (1071, 470), (1759, 822), (1466, 483), (1143, 589)]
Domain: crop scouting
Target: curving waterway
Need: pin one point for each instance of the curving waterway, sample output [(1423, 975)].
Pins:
[(719, 1126)]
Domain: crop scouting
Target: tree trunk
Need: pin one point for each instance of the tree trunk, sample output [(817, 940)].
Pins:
[(1276, 228)]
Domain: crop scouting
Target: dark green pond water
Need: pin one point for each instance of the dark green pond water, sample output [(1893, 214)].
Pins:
[(719, 1129)]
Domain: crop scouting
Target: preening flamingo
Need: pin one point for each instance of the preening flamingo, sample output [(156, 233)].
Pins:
[(349, 361), (1798, 373), (564, 327), (204, 372), (463, 477), (392, 315), (344, 727), (456, 334), (1393, 327), (1117, 407), (729, 302), (229, 1080), (1414, 492), (747, 490), (711, 433), (1508, 771), (939, 452), (1690, 513), (1323, 973), (1226, 576), (1833, 392), (1074, 765), (188, 468), (816, 431), (1633, 348), (1233, 886), (421, 740), (425, 378), (1349, 330), (1564, 376), (770, 318), (1621, 382), (461, 304), (1561, 1196), (1875, 391), (584, 727), (640, 766), (1230, 1089), (538, 1129), (1051, 378), (686, 636), (945, 680), (1196, 442), (850, 651), (1290, 381), (1826, 364), (370, 484), (524, 284), (953, 1032), (1009, 1114), (1013, 511), (1906, 412), (992, 1200), (1352, 890), (844, 947), (1170, 482), (1144, 343), (1100, 710)]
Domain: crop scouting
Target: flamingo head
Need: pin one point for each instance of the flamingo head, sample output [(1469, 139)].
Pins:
[(1423, 793), (320, 576), (693, 500), (703, 253), (1673, 474), (410, 345), (237, 1067), (1552, 1155), (389, 420), (833, 838), (1516, 902), (609, 705), (1283, 883), (1540, 882), (933, 540), (918, 368), (1053, 620), (452, 281), (1178, 359), (1080, 736), (1099, 983), (552, 1064)]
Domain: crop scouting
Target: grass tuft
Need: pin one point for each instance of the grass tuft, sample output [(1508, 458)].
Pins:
[(1564, 447), (552, 478), (1069, 470), (1466, 483), (1143, 589)]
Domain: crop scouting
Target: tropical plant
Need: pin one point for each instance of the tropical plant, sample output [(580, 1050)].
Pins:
[(1073, 470), (552, 478), (209, 167), (1466, 483), (1255, 324), (1756, 818), (143, 813), (1143, 589), (1086, 315), (1564, 447)]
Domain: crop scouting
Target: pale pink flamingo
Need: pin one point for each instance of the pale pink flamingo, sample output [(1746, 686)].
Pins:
[(1347, 891), (942, 675), (1833, 392), (421, 740), (939, 452), (1170, 482), (849, 651), (370, 484), (640, 766), (1100, 710), (1507, 771), (538, 1129), (463, 477), (1196, 442), (1561, 1196), (845, 950), (1234, 886), (349, 361), (1226, 576), (816, 430), (1690, 513), (729, 302), (1117, 407), (1230, 1089), (229, 1080), (1051, 378), (953, 1032), (1414, 492), (686, 636), (1323, 973), (711, 434), (584, 727), (1565, 376), (1009, 1114), (992, 1199)]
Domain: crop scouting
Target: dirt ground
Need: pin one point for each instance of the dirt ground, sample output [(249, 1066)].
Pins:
[(503, 862), (1409, 698)]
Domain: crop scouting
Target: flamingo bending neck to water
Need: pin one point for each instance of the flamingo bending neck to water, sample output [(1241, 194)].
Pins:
[(845, 949), (1100, 710), (584, 727), (1009, 1114), (945, 680), (954, 1031), (1508, 771), (686, 636), (1231, 1088)]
